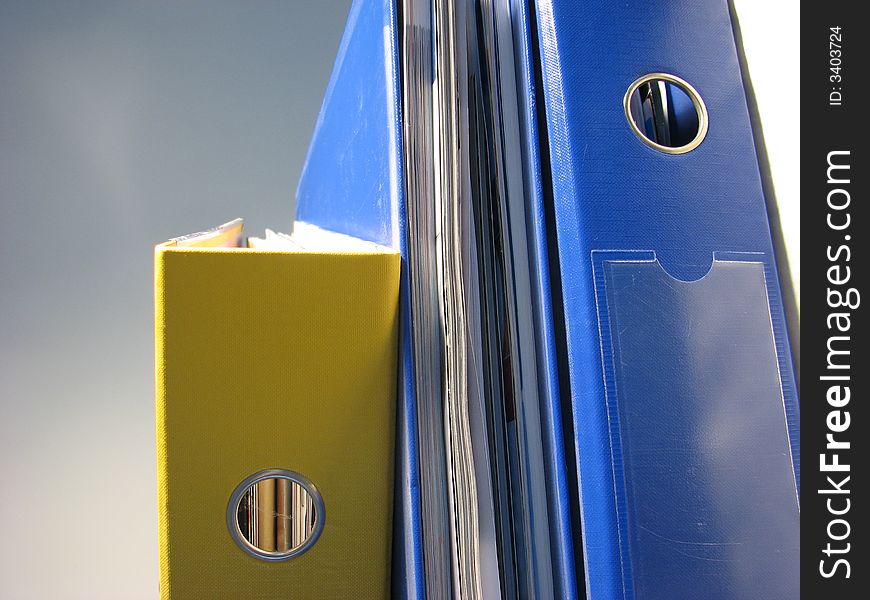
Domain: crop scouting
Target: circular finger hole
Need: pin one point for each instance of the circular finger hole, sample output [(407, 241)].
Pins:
[(666, 113), (275, 514)]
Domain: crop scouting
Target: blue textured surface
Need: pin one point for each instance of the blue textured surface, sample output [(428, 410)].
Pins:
[(612, 192), (352, 183), (352, 178), (558, 495)]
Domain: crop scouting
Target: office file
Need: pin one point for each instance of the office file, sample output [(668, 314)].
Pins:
[(595, 391), (481, 490), (276, 399), (679, 371)]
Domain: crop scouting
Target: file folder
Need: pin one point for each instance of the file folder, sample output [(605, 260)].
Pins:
[(275, 359), (655, 445), (355, 182), (679, 371), (568, 579)]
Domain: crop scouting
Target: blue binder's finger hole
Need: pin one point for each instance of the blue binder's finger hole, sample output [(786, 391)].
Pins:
[(275, 514), (666, 112)]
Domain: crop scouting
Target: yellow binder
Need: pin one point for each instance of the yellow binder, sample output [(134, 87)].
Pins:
[(274, 360)]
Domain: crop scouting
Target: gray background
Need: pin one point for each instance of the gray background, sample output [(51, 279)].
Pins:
[(123, 124)]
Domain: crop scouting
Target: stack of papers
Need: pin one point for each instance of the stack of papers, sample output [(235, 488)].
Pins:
[(485, 524)]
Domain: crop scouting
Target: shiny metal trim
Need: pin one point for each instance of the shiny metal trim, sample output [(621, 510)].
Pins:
[(697, 101), (242, 488)]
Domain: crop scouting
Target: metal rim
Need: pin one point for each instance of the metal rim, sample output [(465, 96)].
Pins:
[(697, 101), (242, 488)]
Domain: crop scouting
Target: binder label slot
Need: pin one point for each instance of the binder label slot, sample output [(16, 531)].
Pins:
[(706, 497)]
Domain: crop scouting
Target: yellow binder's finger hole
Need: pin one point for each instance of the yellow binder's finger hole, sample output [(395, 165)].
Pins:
[(666, 113), (275, 514)]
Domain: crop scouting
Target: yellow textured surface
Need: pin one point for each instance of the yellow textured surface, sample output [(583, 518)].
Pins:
[(275, 360)]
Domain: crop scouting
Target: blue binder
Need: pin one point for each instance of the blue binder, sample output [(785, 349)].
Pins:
[(666, 369), (352, 182), (566, 578), (683, 393)]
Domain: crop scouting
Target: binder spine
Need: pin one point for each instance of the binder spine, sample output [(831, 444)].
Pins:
[(160, 406), (616, 199), (275, 365)]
